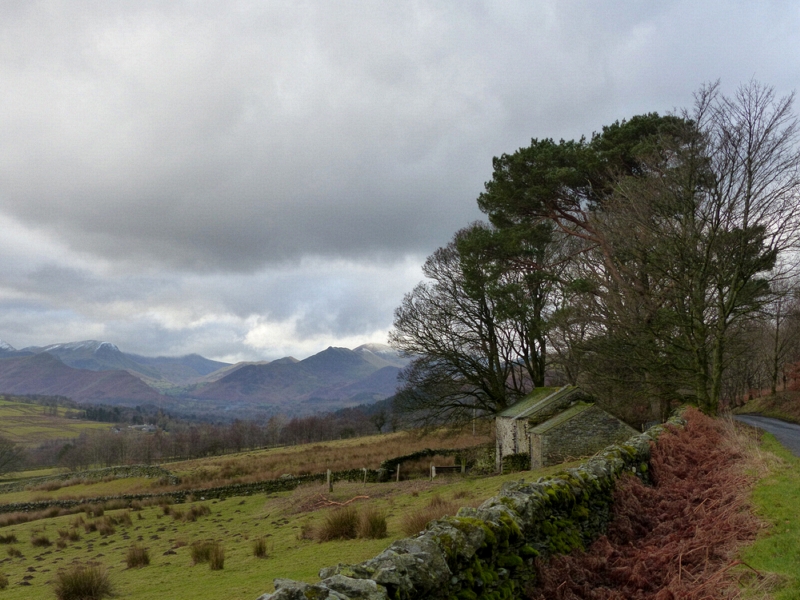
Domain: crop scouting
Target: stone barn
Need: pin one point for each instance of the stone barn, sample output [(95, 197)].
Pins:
[(552, 425)]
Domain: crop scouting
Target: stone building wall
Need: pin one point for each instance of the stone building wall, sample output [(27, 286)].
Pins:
[(583, 435)]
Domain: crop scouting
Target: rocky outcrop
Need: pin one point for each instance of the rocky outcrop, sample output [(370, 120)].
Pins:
[(488, 552)]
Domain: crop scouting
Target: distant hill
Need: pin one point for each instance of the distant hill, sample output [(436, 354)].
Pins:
[(93, 355), (335, 374), (45, 374), (96, 371)]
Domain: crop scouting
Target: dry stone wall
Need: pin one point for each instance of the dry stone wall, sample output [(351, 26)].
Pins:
[(488, 552)]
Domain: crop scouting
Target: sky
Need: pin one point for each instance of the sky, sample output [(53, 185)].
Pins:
[(251, 180)]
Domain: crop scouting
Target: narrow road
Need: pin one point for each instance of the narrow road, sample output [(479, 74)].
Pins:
[(788, 434)]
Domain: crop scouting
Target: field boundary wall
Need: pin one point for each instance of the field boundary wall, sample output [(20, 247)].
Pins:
[(488, 552)]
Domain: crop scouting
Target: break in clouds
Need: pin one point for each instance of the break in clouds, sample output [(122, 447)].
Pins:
[(249, 180)]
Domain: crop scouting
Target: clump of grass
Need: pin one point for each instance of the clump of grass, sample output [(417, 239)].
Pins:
[(3, 581), (41, 541), (177, 514), (340, 524), (94, 510), (217, 558), (105, 526), (63, 533), (90, 526), (260, 548), (61, 543), (137, 557), (78, 522), (74, 535), (306, 532), (201, 551), (200, 510), (8, 539), (414, 522), (136, 505), (14, 552), (125, 519), (83, 582), (372, 524)]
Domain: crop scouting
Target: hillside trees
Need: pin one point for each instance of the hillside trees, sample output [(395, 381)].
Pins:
[(683, 220), (477, 328), (640, 258)]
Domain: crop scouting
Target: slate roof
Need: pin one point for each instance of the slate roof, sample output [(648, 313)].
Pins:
[(563, 417), (538, 400)]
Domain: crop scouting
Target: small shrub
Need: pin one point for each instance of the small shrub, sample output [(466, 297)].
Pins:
[(414, 522), (3, 581), (199, 510), (341, 524), (201, 551), (217, 558), (83, 582), (137, 557), (14, 552), (8, 539), (260, 549), (177, 514), (41, 541), (105, 526), (372, 524), (306, 532)]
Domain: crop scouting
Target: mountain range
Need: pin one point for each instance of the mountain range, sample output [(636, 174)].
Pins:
[(99, 372)]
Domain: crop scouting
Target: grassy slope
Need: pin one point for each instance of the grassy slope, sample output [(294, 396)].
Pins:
[(776, 553), (783, 405), (235, 522), (27, 424)]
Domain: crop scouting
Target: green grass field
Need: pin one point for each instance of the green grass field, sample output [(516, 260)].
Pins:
[(235, 522), (776, 553), (27, 424)]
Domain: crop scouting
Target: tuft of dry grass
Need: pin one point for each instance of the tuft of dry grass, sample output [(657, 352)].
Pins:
[(260, 548), (41, 541), (201, 551), (8, 539), (137, 557), (339, 524), (216, 560), (14, 552), (83, 582), (414, 522), (3, 581), (372, 524)]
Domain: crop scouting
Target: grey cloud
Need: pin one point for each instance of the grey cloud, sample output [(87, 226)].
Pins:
[(212, 175)]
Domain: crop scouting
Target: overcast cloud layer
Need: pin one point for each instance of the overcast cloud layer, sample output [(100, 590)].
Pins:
[(249, 180)]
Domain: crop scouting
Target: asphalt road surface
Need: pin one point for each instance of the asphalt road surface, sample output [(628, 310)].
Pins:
[(788, 434)]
